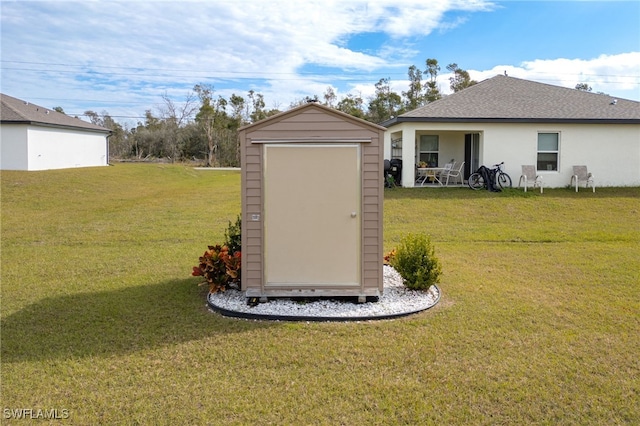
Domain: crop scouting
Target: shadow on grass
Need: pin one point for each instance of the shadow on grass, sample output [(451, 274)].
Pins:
[(113, 322)]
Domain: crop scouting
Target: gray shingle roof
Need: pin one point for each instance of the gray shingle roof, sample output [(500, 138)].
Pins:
[(510, 99), (13, 110)]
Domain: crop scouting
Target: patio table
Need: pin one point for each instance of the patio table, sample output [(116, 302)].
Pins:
[(429, 172)]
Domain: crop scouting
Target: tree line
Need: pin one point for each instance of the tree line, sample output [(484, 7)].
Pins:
[(205, 127)]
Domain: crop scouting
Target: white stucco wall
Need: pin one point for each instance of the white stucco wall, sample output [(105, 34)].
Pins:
[(611, 152), (28, 147), (51, 148), (13, 147)]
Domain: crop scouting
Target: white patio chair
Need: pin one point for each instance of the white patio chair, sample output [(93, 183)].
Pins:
[(444, 174), (581, 174), (456, 173), (530, 176)]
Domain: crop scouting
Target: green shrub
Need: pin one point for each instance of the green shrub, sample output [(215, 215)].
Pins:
[(221, 265), (233, 236), (416, 262)]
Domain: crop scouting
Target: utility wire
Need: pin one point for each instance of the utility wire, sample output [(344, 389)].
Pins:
[(242, 75)]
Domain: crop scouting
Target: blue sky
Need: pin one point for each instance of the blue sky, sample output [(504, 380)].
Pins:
[(121, 57)]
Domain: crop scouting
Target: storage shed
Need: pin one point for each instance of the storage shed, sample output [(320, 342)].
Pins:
[(312, 202)]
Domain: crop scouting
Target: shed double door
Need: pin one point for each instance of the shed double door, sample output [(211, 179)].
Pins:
[(312, 215)]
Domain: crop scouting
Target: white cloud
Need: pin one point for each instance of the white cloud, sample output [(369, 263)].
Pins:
[(129, 53), (618, 75), (419, 18), (276, 35)]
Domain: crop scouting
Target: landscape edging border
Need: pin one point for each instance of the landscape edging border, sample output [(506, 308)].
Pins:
[(306, 318)]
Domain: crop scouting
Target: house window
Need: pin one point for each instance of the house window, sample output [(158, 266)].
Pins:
[(428, 150), (548, 151), (396, 148)]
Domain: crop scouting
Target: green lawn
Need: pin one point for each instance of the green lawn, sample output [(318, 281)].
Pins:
[(539, 320)]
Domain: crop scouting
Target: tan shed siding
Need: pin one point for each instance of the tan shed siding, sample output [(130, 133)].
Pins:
[(318, 119), (371, 241), (371, 263), (253, 187), (370, 249), (254, 277), (371, 272), (253, 168), (302, 127), (313, 124), (315, 116), (372, 200), (371, 227), (371, 258), (254, 266), (253, 192), (370, 156), (371, 222), (370, 192), (371, 208), (371, 176), (253, 183), (254, 249), (244, 159), (370, 231), (254, 235), (252, 226), (371, 183), (253, 157), (252, 204), (303, 134)]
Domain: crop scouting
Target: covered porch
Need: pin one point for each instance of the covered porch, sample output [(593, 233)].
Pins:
[(426, 152)]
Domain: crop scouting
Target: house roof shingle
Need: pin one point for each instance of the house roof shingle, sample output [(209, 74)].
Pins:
[(16, 111), (509, 99)]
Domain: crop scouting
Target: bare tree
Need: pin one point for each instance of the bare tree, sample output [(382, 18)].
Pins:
[(211, 117), (174, 117), (94, 117), (330, 97), (461, 79)]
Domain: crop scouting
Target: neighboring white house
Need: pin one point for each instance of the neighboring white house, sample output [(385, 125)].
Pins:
[(37, 138), (522, 122)]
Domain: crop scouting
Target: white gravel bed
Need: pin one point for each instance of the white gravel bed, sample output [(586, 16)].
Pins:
[(396, 300)]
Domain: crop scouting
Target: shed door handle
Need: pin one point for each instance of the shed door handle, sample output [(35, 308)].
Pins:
[(353, 214)]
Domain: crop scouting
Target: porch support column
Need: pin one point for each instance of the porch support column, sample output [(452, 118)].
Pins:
[(408, 157), (387, 145)]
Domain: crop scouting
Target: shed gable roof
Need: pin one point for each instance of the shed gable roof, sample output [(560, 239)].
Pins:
[(503, 98), (16, 111), (309, 107)]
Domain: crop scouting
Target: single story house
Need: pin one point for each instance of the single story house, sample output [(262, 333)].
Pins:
[(37, 138), (521, 122)]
